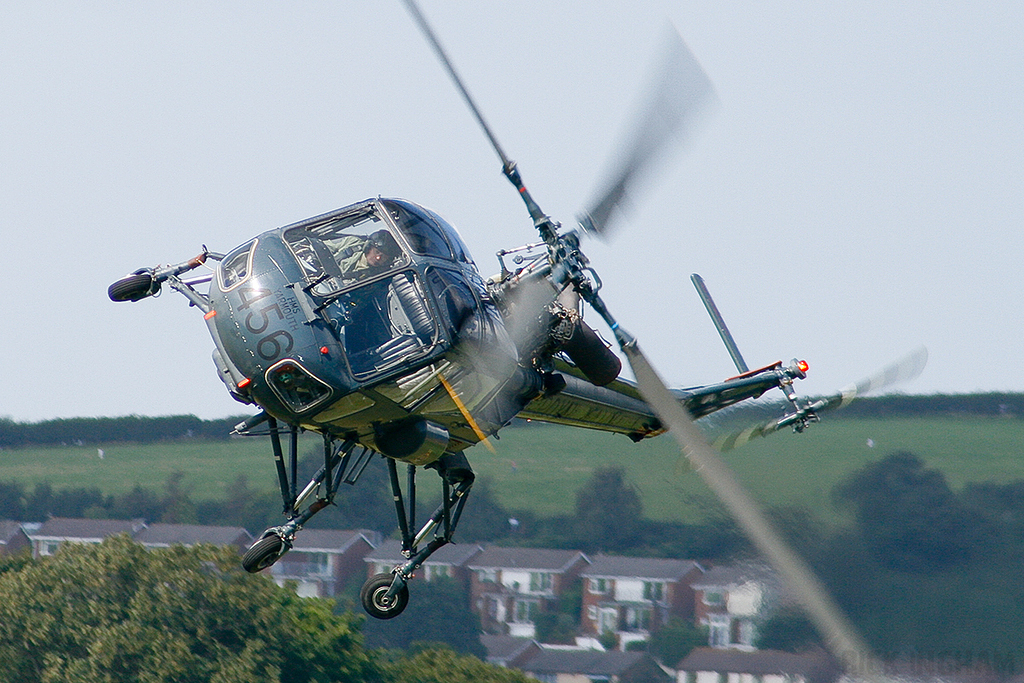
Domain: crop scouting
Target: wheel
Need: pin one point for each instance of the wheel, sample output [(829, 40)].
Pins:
[(132, 287), (263, 553), (374, 601)]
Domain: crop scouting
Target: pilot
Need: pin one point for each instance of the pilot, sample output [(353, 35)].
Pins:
[(360, 257)]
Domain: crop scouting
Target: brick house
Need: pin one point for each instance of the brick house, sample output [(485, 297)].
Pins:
[(732, 600), (58, 530), (571, 665), (510, 587), (165, 535), (716, 665), (13, 538), (449, 560), (322, 561), (634, 596)]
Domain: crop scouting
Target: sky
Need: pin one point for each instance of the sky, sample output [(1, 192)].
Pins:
[(858, 192)]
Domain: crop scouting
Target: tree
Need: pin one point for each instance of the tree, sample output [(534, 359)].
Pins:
[(116, 611), (909, 517), (442, 665), (675, 640), (609, 514)]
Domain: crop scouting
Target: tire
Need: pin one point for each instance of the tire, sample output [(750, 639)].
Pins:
[(372, 595), (263, 553), (132, 287)]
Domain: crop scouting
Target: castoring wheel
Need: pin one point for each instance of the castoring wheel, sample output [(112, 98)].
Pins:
[(133, 287), (263, 553), (375, 601)]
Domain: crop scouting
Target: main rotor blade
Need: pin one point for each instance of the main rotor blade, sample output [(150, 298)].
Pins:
[(679, 93), (903, 370), (431, 37), (839, 635)]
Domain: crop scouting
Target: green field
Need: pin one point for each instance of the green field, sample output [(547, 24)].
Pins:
[(539, 467)]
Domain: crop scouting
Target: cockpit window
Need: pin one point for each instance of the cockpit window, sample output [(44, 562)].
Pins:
[(427, 233), (236, 266), (344, 251)]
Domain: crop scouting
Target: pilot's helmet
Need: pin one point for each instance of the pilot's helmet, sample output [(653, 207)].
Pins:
[(384, 243)]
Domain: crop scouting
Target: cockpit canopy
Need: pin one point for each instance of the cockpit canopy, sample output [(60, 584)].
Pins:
[(341, 251)]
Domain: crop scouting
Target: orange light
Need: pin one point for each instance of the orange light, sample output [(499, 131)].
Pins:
[(244, 383), (803, 366), (209, 314)]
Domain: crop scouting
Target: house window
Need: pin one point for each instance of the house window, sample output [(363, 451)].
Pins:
[(49, 548), (654, 590), (718, 632), (592, 612), (434, 571), (526, 611), (319, 563), (713, 598), (487, 575), (608, 620), (541, 582), (598, 586), (638, 619)]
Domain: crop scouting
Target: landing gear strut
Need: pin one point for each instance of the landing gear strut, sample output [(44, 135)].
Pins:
[(343, 463), (384, 596)]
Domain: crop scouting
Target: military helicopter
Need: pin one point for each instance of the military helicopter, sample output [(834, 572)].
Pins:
[(372, 326)]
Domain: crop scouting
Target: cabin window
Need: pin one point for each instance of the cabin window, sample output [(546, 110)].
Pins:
[(340, 253), (296, 387), (236, 266)]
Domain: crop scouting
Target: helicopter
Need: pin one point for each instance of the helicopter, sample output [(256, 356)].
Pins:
[(372, 326)]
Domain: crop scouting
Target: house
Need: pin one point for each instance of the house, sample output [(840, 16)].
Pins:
[(449, 560), (13, 538), (57, 530), (634, 596), (732, 600), (717, 665), (508, 651), (572, 665), (165, 535), (322, 561), (510, 587)]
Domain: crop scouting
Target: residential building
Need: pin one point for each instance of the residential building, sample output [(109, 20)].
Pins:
[(322, 561), (58, 530), (634, 596), (13, 538), (449, 560), (717, 665), (508, 651), (161, 535), (570, 665), (732, 600), (510, 587)]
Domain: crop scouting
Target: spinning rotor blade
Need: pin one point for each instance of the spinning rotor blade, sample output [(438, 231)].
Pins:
[(678, 95), (839, 635), (902, 370)]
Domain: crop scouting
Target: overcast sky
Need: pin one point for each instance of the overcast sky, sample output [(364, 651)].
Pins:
[(860, 190)]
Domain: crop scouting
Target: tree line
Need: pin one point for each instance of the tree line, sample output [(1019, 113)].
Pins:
[(107, 430), (140, 429)]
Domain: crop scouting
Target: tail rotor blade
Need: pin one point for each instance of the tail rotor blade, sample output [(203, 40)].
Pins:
[(903, 370)]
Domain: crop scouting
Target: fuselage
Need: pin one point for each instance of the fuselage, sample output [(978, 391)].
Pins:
[(317, 329)]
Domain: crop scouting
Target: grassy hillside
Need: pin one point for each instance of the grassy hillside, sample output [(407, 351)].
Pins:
[(539, 467)]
